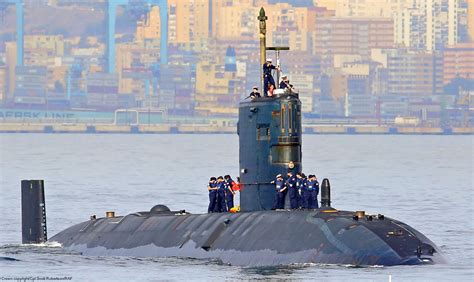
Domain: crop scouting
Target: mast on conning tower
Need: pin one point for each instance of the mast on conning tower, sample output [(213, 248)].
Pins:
[(263, 49), (263, 44)]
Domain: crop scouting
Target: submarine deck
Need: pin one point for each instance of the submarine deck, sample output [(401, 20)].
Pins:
[(259, 238)]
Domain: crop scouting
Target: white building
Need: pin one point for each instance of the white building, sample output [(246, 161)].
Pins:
[(427, 24)]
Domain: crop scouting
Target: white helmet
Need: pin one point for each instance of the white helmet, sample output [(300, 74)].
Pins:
[(269, 60)]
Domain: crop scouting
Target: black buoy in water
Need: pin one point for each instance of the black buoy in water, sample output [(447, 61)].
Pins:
[(33, 212), (326, 193)]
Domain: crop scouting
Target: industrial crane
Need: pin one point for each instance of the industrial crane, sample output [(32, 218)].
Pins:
[(19, 25)]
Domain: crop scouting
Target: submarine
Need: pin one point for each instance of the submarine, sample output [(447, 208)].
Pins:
[(270, 139)]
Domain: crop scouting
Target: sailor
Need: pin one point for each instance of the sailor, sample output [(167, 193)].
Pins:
[(267, 75), (292, 190), (221, 206), (254, 94), (280, 188), (284, 83), (270, 91), (301, 186), (211, 187), (312, 191), (229, 192)]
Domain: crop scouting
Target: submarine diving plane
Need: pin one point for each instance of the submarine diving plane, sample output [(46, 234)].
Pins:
[(270, 139)]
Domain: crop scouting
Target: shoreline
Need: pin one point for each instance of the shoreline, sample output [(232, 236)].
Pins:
[(82, 128)]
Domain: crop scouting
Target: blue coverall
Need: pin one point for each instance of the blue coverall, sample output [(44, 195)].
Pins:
[(229, 196), (221, 207), (212, 198), (292, 191), (279, 202), (301, 185), (267, 77), (312, 191)]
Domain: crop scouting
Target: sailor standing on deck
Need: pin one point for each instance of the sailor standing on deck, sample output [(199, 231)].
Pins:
[(292, 190), (211, 187), (229, 192), (267, 75), (301, 186), (221, 207), (312, 191), (280, 192)]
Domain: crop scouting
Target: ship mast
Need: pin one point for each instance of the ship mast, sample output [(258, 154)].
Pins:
[(263, 44), (263, 49)]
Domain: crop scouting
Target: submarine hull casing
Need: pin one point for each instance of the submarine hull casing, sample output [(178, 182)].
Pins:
[(262, 238)]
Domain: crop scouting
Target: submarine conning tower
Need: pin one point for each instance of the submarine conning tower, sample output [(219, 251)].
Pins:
[(269, 132), (270, 143)]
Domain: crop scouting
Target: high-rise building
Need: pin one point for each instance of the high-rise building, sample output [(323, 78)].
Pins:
[(329, 4), (410, 28), (470, 19), (150, 27), (352, 36), (188, 22), (233, 20), (458, 61), (414, 73), (428, 24), (369, 8)]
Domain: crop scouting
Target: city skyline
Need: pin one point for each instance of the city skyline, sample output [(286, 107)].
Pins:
[(348, 58)]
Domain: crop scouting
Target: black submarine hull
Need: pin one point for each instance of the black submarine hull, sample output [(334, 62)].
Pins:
[(262, 238)]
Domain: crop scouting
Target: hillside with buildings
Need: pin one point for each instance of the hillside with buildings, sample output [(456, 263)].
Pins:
[(353, 60)]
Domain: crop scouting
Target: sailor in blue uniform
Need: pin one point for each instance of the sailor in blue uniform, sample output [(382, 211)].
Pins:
[(280, 192), (312, 191), (267, 75), (221, 207), (301, 185), (211, 187), (292, 190), (229, 192)]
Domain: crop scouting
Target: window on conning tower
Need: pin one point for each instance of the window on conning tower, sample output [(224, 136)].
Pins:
[(283, 119), (290, 119)]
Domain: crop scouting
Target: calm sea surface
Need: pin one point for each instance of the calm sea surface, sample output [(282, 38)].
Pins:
[(424, 181)]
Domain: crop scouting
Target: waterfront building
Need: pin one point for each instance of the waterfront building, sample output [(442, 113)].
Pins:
[(388, 106), (458, 61)]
